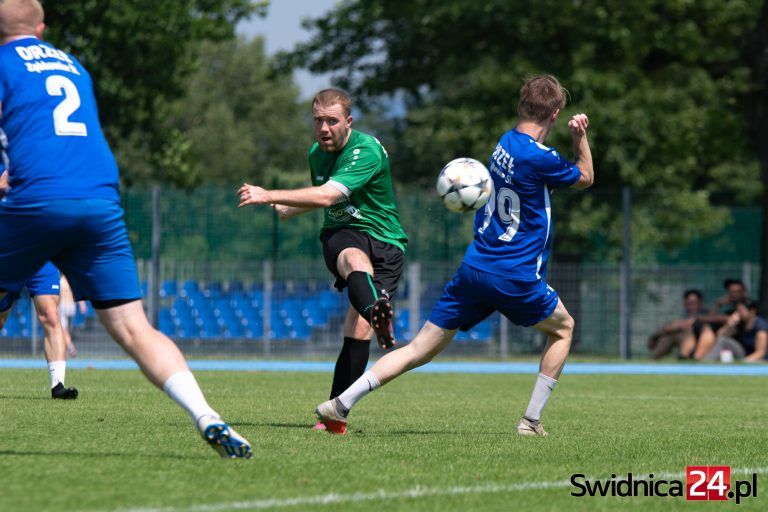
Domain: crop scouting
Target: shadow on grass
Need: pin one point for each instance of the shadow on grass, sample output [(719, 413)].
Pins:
[(25, 398), (300, 425), (152, 456)]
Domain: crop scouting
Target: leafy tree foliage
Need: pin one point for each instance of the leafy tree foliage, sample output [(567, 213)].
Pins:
[(242, 122), (138, 55), (665, 84)]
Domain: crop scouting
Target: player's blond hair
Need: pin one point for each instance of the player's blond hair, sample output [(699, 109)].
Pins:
[(540, 96), (333, 96), (20, 17)]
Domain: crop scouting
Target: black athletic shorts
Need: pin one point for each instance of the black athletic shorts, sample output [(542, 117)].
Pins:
[(387, 259)]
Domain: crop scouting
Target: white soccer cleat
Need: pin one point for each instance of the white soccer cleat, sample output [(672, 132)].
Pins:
[(328, 414), (222, 438), (527, 428)]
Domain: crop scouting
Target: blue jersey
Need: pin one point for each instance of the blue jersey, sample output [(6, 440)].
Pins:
[(52, 141), (513, 233)]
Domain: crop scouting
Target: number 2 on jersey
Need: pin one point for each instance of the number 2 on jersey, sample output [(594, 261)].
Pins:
[(58, 85)]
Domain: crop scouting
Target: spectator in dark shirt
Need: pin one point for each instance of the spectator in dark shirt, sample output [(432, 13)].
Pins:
[(745, 334)]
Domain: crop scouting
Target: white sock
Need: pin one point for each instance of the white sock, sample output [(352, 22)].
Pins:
[(361, 387), (57, 369), (541, 391), (184, 390)]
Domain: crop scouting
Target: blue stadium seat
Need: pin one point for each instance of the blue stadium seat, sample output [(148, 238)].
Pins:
[(213, 290), (11, 327), (189, 287), (168, 289), (165, 322), (402, 324)]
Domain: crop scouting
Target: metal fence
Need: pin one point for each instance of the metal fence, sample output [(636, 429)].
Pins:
[(268, 308)]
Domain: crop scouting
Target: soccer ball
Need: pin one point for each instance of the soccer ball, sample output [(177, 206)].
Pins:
[(464, 185)]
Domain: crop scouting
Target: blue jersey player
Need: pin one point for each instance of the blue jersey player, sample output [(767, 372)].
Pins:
[(505, 267), (63, 206)]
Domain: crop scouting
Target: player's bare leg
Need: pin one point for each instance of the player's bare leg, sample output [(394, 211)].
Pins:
[(559, 330), (54, 344), (164, 365), (429, 342)]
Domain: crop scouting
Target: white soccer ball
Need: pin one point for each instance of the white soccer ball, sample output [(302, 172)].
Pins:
[(464, 185)]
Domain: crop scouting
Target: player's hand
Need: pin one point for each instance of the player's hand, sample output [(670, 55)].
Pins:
[(578, 125), (251, 194)]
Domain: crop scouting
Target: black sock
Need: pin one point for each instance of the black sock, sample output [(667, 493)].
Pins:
[(350, 365), (362, 292)]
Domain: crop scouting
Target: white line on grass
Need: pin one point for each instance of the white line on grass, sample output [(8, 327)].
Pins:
[(415, 492)]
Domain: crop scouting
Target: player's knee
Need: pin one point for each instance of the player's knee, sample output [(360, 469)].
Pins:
[(567, 324), (48, 316)]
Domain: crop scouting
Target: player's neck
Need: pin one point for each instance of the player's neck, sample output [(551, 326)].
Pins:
[(537, 131), (10, 39)]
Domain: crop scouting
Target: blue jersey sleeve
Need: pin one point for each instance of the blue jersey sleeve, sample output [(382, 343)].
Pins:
[(556, 171)]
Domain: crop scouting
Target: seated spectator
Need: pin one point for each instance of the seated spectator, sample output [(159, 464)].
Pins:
[(735, 292), (744, 334), (686, 333)]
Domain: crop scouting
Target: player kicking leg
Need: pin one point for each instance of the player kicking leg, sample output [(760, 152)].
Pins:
[(469, 298)]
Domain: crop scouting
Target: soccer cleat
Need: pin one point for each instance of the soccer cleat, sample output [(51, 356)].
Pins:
[(59, 392), (381, 321), (328, 414), (222, 438), (528, 428)]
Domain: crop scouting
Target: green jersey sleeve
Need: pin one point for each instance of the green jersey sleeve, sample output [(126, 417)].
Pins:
[(356, 167)]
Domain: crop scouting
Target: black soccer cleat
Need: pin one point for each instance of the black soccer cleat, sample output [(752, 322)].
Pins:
[(61, 393), (381, 321)]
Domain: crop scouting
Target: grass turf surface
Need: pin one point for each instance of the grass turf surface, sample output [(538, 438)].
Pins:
[(423, 442)]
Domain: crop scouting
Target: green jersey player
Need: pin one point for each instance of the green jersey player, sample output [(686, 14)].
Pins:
[(363, 242)]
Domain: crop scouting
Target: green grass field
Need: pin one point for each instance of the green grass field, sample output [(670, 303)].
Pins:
[(424, 442)]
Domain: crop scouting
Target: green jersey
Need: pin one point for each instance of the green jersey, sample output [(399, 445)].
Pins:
[(361, 172)]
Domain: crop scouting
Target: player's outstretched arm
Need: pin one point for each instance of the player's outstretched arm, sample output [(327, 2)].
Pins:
[(578, 127), (309, 197)]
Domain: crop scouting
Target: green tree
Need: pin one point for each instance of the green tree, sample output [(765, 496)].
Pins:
[(138, 55), (664, 82), (242, 121)]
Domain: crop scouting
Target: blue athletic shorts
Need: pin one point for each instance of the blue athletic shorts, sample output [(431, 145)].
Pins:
[(86, 239), (472, 295), (44, 282)]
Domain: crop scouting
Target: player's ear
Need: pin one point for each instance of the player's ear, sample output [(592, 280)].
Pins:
[(554, 115), (349, 120), (39, 29)]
